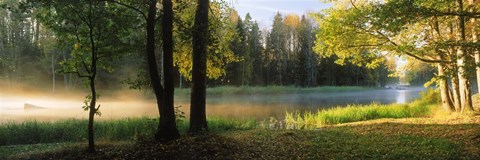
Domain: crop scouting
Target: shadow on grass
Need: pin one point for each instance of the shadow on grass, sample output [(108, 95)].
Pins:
[(369, 141)]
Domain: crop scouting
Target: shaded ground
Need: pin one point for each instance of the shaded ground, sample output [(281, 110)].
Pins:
[(454, 137)]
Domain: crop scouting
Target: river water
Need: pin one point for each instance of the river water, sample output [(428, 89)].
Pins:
[(45, 108)]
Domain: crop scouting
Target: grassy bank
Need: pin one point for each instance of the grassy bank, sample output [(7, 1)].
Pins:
[(382, 139), (74, 130), (232, 90), (421, 107)]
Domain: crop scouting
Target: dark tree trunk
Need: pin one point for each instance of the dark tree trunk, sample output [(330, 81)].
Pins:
[(91, 115), (198, 118), (93, 100), (167, 129), (151, 57)]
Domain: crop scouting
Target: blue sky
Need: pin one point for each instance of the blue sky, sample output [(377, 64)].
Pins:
[(263, 11)]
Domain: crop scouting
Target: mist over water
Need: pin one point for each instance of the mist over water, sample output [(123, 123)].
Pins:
[(21, 106)]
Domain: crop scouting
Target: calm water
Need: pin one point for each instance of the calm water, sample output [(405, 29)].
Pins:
[(45, 108)]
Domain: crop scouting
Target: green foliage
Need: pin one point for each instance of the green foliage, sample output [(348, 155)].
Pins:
[(86, 104), (221, 33), (430, 96), (343, 33), (96, 39), (418, 73), (179, 115)]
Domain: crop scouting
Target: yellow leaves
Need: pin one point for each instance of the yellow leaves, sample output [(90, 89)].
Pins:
[(77, 46), (292, 21), (233, 16)]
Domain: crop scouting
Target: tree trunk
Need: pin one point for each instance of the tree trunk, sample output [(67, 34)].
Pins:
[(444, 89), (91, 115), (53, 73), (198, 118), (456, 90), (151, 57), (476, 52), (93, 101), (37, 31), (167, 129), (464, 82)]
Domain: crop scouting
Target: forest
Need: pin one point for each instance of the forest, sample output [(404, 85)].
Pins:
[(407, 68), (246, 56)]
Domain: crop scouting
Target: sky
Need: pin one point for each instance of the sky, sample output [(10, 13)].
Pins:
[(263, 11)]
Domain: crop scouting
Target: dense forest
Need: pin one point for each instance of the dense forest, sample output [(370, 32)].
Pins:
[(34, 51)]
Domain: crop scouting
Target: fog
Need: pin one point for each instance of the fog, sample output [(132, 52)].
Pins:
[(18, 104)]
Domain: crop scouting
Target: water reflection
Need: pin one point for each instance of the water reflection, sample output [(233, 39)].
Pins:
[(402, 96), (14, 108)]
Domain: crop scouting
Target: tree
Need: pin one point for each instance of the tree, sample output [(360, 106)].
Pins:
[(276, 47), (291, 25), (256, 50), (96, 31), (167, 128), (219, 53), (239, 73), (306, 59), (464, 82), (18, 44), (429, 31), (198, 118)]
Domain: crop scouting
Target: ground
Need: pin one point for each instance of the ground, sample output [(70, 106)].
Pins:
[(448, 137)]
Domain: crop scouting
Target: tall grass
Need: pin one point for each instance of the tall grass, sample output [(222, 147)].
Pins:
[(353, 113), (74, 130), (242, 90)]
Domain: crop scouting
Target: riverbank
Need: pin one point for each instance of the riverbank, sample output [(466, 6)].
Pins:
[(430, 134)]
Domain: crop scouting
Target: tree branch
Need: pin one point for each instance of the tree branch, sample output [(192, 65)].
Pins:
[(130, 7), (411, 54)]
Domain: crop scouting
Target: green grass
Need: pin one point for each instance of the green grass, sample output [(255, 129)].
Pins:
[(242, 90), (6, 151), (353, 113), (74, 130), (364, 141)]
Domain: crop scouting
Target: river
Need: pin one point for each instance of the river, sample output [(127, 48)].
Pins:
[(47, 108)]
